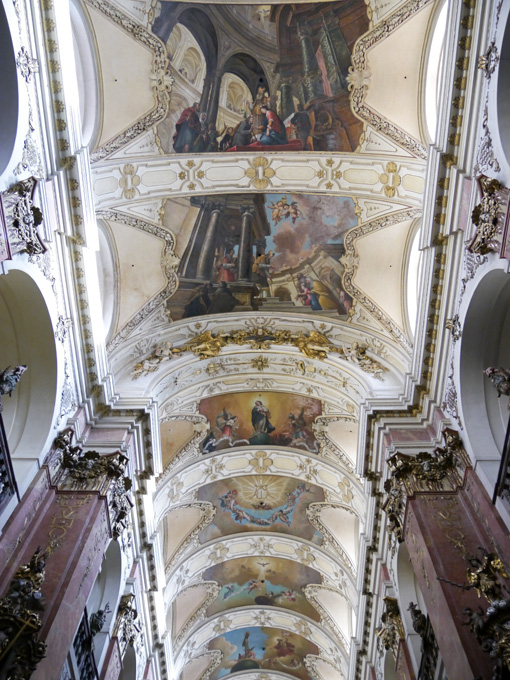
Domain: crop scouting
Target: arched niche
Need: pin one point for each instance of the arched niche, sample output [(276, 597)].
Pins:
[(107, 269), (484, 343), (27, 337), (503, 96), (106, 591), (408, 591), (9, 99), (87, 78), (432, 70), (14, 102)]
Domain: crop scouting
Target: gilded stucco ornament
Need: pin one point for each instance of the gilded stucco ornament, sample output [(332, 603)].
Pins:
[(20, 619), (485, 217), (391, 630), (9, 379), (127, 627), (314, 345), (441, 470)]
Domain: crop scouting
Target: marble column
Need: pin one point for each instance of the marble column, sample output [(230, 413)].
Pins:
[(70, 518), (312, 78), (206, 256), (287, 102), (245, 244), (214, 99)]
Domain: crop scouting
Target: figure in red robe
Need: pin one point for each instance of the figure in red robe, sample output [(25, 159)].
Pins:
[(187, 129), (274, 132)]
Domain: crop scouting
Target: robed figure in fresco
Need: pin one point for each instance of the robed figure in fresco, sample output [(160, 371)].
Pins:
[(187, 129), (274, 130), (262, 426)]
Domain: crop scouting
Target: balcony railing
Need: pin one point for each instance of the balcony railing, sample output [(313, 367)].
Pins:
[(8, 487), (502, 489)]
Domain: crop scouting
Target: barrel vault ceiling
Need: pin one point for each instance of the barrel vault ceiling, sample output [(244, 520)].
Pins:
[(264, 377)]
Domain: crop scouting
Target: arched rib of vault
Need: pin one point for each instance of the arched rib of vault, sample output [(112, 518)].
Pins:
[(139, 344), (339, 637), (190, 569), (246, 617), (182, 485)]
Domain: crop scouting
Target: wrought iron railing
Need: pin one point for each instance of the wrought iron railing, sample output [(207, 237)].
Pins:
[(82, 646), (8, 486), (430, 654), (502, 488)]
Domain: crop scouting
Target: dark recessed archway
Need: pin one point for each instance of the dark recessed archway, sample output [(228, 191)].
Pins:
[(248, 69)]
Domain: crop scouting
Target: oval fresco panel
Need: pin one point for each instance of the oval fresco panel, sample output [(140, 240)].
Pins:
[(261, 503), (262, 581)]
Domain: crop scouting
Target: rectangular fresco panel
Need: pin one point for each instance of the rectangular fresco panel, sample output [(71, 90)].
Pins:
[(259, 77), (267, 648), (255, 252), (261, 503), (260, 419)]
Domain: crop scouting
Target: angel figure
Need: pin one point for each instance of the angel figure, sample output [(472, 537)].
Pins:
[(313, 346), (227, 424), (294, 212), (277, 210)]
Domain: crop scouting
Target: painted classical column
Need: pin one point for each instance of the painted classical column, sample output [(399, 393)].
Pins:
[(335, 78), (435, 505), (312, 78), (245, 244), (206, 256), (339, 44), (61, 530), (206, 91), (214, 99), (287, 102), (188, 263)]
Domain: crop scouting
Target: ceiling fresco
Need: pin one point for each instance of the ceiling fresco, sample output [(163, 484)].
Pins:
[(265, 648), (247, 418), (273, 252), (265, 175), (266, 581), (226, 86), (261, 503)]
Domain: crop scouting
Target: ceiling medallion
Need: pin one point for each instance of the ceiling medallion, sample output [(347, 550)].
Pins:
[(314, 345)]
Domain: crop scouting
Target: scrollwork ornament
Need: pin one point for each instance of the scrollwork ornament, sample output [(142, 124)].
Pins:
[(20, 619)]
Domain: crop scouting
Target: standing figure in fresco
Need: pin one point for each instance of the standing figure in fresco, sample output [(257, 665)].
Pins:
[(226, 263), (187, 129), (261, 267), (262, 98), (274, 130), (303, 125), (260, 419), (227, 139)]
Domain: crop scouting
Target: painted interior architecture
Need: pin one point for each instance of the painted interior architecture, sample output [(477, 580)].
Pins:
[(254, 340)]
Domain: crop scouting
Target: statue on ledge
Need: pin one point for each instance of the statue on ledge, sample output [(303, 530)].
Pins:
[(9, 378)]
